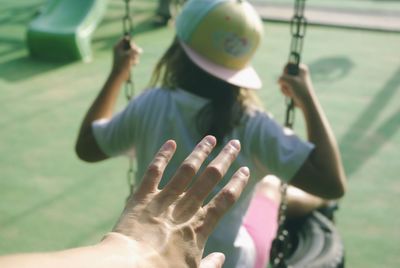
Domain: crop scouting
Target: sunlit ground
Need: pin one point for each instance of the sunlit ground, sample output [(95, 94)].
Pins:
[(50, 200)]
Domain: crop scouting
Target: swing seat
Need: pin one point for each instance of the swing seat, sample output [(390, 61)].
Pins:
[(63, 29), (314, 242)]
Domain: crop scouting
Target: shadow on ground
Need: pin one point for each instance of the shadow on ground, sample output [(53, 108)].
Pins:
[(331, 69), (23, 68), (361, 141)]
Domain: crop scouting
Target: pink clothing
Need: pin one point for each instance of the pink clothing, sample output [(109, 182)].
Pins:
[(261, 222)]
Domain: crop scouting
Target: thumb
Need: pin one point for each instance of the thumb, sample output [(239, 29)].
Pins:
[(288, 79), (214, 260)]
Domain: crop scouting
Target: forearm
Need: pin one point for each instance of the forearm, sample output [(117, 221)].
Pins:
[(103, 107), (126, 55), (115, 251), (102, 255), (104, 104), (300, 203), (325, 157)]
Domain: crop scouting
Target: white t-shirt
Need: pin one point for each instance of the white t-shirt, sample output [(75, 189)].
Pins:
[(161, 114)]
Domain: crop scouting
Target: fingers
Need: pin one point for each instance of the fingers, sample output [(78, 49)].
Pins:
[(187, 171), (128, 49), (302, 69), (221, 203), (214, 260), (135, 53), (155, 170), (193, 199), (289, 80), (289, 83), (126, 43), (285, 84), (298, 87)]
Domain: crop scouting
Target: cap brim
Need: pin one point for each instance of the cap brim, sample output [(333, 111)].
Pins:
[(246, 77)]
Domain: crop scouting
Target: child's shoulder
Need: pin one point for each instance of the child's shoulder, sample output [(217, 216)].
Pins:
[(255, 111), (153, 94)]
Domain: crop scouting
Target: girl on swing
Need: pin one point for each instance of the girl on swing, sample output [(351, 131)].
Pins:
[(204, 85)]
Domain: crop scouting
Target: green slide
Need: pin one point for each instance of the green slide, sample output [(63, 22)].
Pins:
[(63, 29)]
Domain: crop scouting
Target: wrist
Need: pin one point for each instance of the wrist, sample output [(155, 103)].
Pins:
[(116, 250), (127, 252), (119, 73), (308, 102)]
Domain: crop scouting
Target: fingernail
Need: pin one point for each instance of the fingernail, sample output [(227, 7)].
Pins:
[(245, 171), (220, 256), (168, 145), (235, 144), (211, 140)]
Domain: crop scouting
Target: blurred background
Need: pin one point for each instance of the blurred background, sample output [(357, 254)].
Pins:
[(50, 200)]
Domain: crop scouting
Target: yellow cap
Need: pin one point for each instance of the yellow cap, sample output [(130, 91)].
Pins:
[(221, 37)]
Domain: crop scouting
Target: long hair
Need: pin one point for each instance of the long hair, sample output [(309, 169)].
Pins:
[(227, 103)]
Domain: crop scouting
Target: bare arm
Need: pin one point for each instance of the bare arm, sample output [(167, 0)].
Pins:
[(103, 106), (97, 256), (160, 228), (322, 174), (299, 202)]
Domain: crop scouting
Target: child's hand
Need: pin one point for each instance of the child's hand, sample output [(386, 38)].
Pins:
[(126, 54), (298, 87)]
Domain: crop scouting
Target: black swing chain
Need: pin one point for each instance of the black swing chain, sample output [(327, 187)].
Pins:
[(279, 244), (127, 24), (127, 28), (298, 25)]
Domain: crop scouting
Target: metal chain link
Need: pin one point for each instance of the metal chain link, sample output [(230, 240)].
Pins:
[(129, 88), (127, 28), (298, 25), (279, 244), (130, 174), (127, 21)]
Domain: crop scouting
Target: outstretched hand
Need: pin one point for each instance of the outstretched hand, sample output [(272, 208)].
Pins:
[(171, 225), (160, 228)]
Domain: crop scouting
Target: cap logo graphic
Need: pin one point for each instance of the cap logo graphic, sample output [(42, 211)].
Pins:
[(231, 43)]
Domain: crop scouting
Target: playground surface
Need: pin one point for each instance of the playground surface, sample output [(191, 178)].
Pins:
[(382, 16), (50, 200)]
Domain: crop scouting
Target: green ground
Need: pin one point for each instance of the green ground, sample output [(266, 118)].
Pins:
[(50, 200)]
